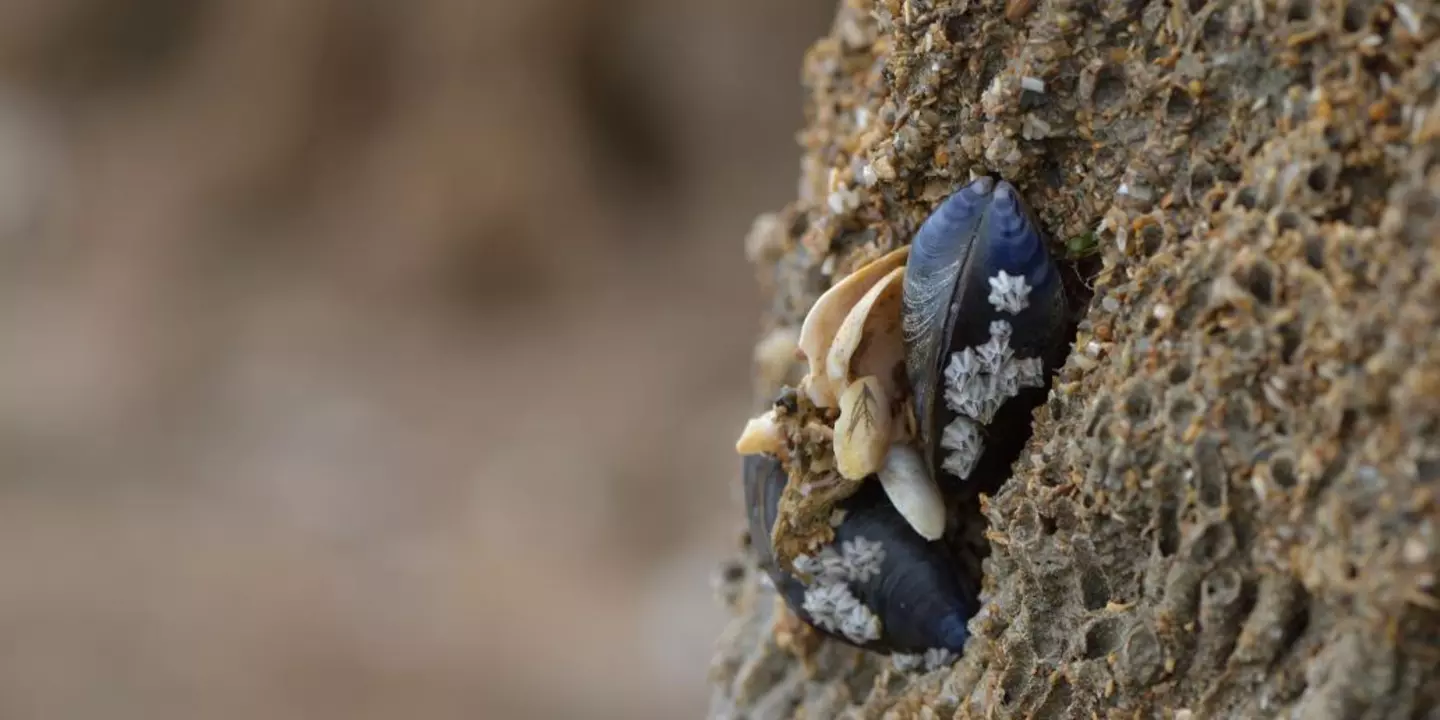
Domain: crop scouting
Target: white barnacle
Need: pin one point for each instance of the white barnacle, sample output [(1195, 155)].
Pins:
[(861, 625), (968, 387), (979, 380), (995, 354), (1000, 332), (829, 600), (964, 369), (828, 567), (1030, 372), (826, 602), (906, 662), (833, 607), (965, 445), (1006, 379), (863, 559), (1009, 293), (967, 384)]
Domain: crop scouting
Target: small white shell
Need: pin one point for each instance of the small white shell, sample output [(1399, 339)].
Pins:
[(761, 435), (862, 433), (913, 492)]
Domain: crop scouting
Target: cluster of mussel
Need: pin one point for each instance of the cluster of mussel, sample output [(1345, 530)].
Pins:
[(924, 367)]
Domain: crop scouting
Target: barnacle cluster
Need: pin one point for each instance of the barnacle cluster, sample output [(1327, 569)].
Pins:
[(829, 600), (978, 380), (1228, 506)]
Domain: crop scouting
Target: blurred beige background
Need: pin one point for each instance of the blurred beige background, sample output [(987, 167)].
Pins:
[(366, 359)]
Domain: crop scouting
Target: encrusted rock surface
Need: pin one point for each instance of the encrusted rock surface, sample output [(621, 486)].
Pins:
[(1229, 506)]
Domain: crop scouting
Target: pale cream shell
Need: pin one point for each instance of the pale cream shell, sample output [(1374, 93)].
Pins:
[(821, 324), (862, 433), (869, 340)]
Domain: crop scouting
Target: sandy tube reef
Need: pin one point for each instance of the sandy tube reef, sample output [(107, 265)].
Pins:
[(1229, 505)]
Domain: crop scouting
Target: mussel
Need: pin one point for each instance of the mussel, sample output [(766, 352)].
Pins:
[(984, 316), (963, 328), (879, 586)]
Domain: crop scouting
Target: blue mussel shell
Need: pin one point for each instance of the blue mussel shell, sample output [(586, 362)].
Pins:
[(919, 596), (977, 233)]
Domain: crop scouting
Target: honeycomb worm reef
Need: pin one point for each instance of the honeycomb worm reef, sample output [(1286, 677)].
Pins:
[(1229, 504)]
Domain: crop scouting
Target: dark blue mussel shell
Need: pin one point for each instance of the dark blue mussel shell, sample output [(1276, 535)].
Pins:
[(921, 597), (982, 229)]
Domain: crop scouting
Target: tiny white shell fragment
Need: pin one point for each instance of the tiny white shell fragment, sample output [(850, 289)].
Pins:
[(1408, 17), (913, 492), (761, 435), (862, 432), (1033, 84)]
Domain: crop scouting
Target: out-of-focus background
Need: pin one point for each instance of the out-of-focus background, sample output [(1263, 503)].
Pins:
[(367, 359)]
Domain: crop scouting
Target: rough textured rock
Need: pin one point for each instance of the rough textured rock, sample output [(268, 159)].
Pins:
[(1229, 505)]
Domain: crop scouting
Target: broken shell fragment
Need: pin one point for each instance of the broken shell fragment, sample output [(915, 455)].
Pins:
[(761, 435), (906, 479), (862, 434), (817, 332), (869, 341)]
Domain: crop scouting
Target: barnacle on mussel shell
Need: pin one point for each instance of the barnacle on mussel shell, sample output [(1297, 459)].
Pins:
[(878, 586), (923, 364)]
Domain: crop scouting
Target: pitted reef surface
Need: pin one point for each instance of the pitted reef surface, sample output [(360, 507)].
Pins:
[(1228, 507)]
